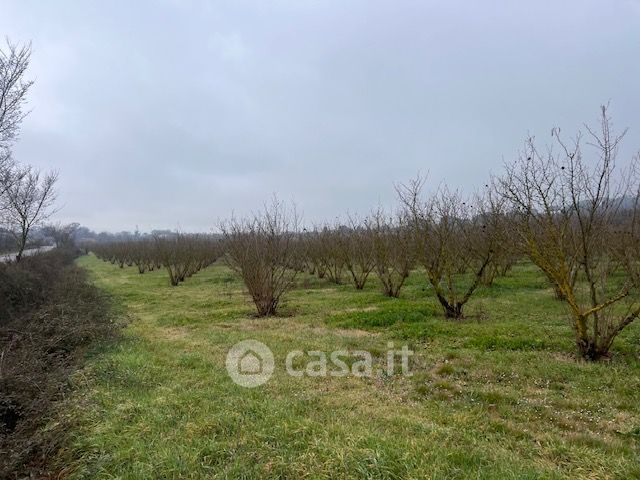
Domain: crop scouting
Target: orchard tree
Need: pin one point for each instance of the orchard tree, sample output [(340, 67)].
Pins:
[(355, 249), (392, 248), (261, 249), (328, 253), (577, 221), (454, 240), (314, 253)]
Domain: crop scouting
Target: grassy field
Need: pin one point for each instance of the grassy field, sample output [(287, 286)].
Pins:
[(498, 395)]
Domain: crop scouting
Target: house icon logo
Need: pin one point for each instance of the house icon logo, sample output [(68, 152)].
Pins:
[(250, 363)]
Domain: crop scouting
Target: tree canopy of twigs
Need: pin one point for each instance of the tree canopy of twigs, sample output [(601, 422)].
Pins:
[(14, 62), (392, 249), (27, 202), (454, 240), (573, 215), (261, 249), (26, 196)]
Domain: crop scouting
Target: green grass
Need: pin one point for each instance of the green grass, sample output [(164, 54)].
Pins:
[(499, 395)]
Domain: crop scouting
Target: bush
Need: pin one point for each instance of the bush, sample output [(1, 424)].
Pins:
[(25, 286), (49, 315)]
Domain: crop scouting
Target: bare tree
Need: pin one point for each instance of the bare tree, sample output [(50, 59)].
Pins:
[(324, 252), (61, 234), (454, 240), (313, 252), (14, 62), (568, 210), (355, 250), (393, 251), (7, 171), (261, 250), (182, 255), (27, 202)]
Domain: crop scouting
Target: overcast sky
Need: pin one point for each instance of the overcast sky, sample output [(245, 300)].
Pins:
[(166, 114)]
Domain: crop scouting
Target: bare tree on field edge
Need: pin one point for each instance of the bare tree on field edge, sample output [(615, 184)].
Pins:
[(28, 201)]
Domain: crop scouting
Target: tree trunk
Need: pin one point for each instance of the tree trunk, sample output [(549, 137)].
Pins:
[(23, 244), (590, 350), (558, 293), (451, 310)]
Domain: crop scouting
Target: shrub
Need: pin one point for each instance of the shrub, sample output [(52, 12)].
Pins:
[(50, 313), (261, 250)]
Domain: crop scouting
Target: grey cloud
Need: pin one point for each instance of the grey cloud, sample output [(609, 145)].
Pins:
[(161, 114)]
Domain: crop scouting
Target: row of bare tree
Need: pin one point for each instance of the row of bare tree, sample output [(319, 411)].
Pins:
[(450, 237), (181, 255), (26, 194), (379, 244), (459, 244), (573, 216)]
